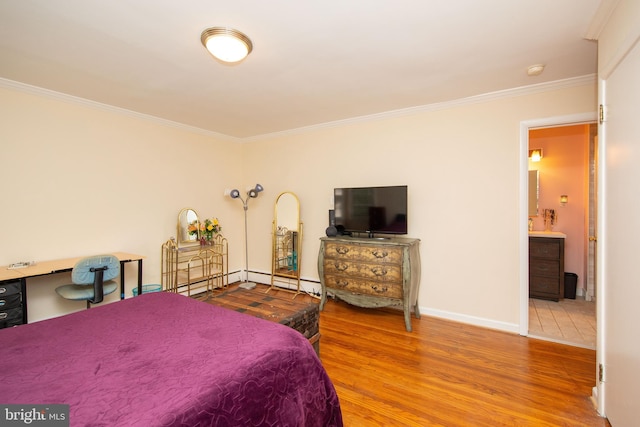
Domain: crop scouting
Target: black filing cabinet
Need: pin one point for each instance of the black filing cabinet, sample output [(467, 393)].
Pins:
[(11, 307)]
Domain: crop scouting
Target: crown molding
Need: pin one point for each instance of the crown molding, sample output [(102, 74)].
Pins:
[(600, 18), (476, 99), (70, 99), (491, 96)]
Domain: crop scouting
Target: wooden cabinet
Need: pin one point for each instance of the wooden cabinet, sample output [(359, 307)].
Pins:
[(195, 270), (371, 272), (546, 268)]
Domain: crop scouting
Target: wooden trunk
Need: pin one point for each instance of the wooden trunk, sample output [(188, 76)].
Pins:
[(276, 306)]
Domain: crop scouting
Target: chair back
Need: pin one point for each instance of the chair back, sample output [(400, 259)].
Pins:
[(95, 270)]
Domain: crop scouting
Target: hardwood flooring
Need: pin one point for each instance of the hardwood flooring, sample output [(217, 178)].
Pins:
[(451, 374)]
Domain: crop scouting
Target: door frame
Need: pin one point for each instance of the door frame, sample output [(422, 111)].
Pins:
[(525, 127)]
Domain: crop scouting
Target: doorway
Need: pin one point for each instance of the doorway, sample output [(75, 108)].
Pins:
[(564, 167), (551, 200)]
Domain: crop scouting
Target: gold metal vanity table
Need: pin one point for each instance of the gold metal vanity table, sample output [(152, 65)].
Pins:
[(192, 265)]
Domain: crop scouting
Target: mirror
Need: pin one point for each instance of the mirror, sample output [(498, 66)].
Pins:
[(534, 188), (188, 227), (287, 240)]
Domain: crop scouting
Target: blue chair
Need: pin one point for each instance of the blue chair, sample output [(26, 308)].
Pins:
[(92, 279)]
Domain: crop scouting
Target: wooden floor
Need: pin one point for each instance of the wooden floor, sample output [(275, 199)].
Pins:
[(450, 374), (570, 321)]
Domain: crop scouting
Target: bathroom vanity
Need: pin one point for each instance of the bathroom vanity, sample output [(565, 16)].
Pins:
[(546, 265)]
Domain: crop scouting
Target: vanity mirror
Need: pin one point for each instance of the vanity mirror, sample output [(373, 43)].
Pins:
[(287, 239), (534, 189), (188, 231)]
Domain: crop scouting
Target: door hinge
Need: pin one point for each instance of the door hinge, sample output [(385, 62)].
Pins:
[(601, 373), (601, 113)]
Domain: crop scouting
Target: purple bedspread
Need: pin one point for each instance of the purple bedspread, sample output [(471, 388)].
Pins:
[(163, 359)]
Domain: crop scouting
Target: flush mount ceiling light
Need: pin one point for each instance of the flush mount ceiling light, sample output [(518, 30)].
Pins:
[(226, 44), (535, 70)]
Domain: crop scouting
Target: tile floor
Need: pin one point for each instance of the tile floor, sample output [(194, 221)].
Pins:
[(569, 321)]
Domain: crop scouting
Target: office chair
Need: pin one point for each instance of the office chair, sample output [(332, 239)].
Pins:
[(92, 279)]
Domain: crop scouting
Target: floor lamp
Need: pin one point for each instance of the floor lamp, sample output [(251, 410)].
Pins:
[(251, 194)]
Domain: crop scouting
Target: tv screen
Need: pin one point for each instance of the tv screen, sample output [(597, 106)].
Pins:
[(372, 210)]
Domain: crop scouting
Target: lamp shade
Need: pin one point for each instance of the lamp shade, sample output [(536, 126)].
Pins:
[(226, 44), (253, 192)]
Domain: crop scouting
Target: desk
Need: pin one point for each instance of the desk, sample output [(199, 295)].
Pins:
[(60, 266)]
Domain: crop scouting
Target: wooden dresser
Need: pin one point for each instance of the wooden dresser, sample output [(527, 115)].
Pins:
[(371, 272), (546, 268)]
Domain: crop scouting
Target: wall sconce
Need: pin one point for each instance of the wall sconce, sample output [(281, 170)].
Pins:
[(564, 199), (535, 155)]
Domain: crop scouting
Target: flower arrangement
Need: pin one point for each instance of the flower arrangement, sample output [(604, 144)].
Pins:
[(192, 229), (550, 219), (209, 228), (204, 231)]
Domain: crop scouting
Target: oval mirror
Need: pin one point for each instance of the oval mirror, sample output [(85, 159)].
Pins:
[(287, 212), (188, 226), (287, 238)]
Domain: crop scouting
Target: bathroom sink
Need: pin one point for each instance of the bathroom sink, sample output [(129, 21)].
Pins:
[(552, 234)]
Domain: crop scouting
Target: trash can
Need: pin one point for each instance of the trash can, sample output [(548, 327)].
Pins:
[(147, 289), (570, 283)]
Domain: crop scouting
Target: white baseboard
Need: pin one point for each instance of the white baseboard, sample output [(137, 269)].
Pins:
[(313, 287), (471, 320)]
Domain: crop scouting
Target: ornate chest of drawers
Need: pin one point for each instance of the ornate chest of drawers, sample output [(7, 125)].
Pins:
[(546, 268), (371, 272)]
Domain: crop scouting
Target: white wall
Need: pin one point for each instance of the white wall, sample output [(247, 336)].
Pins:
[(462, 168), (461, 163), (78, 180)]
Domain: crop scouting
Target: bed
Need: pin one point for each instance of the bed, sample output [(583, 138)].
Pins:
[(163, 359)]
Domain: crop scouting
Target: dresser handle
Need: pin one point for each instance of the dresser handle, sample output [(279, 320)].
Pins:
[(379, 271), (2, 302), (341, 266), (342, 283), (342, 250), (379, 254), (4, 315), (380, 291), (3, 290)]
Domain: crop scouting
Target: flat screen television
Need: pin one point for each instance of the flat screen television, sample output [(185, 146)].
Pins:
[(371, 210)]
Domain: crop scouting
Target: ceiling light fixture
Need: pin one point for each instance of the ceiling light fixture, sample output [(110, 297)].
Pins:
[(535, 70), (226, 44)]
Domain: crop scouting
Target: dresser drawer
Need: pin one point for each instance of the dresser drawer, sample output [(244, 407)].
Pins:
[(354, 269), (10, 288), (361, 286), (544, 286), (544, 267), (364, 253), (542, 248), (10, 301), (10, 317)]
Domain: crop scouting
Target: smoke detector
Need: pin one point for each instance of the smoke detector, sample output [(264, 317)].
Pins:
[(535, 70)]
